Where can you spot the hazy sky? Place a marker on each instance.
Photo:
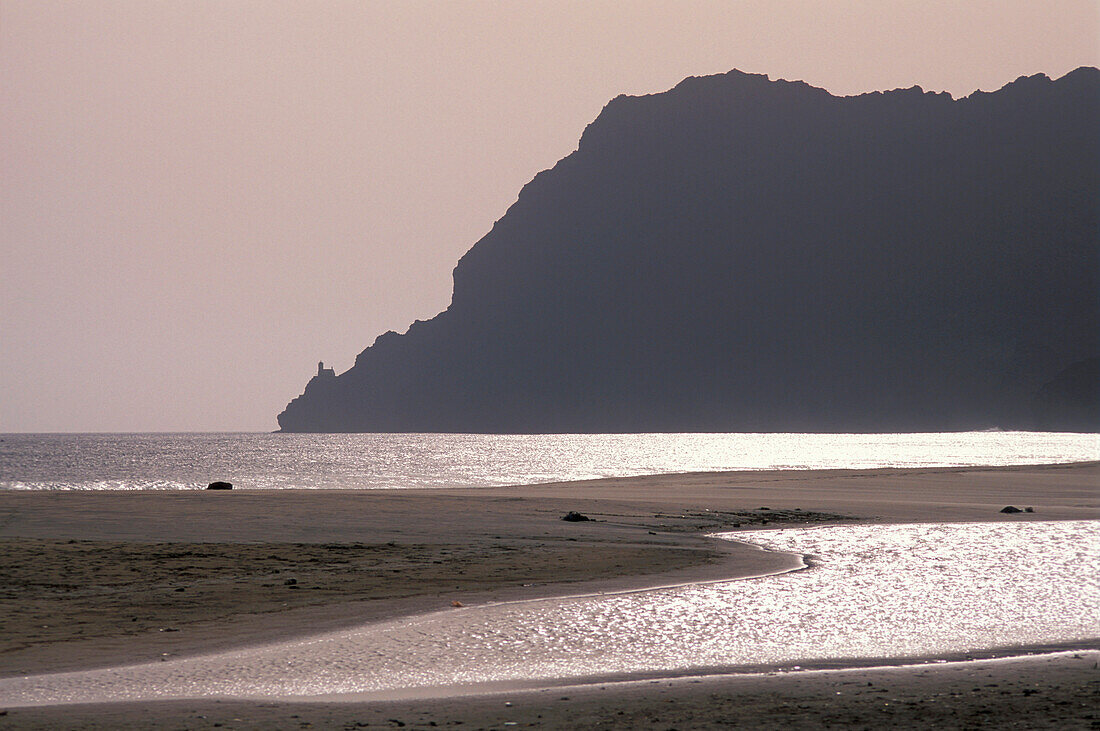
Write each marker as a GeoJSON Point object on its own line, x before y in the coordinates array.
{"type": "Point", "coordinates": [200, 200]}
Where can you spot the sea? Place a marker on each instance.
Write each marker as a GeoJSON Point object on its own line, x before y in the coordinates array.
{"type": "Point", "coordinates": [190, 461]}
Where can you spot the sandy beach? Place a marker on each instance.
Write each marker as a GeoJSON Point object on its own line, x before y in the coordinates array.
{"type": "Point", "coordinates": [96, 579]}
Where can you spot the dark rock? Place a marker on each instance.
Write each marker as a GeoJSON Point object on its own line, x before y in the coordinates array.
{"type": "Point", "coordinates": [220, 486]}
{"type": "Point", "coordinates": [1011, 509]}
{"type": "Point", "coordinates": [1029, 510]}
{"type": "Point", "coordinates": [290, 582]}
{"type": "Point", "coordinates": [740, 254]}
{"type": "Point", "coordinates": [574, 517]}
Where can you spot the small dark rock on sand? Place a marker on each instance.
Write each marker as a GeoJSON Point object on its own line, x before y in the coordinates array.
{"type": "Point", "coordinates": [220, 486]}
{"type": "Point", "coordinates": [574, 517]}
{"type": "Point", "coordinates": [1011, 509]}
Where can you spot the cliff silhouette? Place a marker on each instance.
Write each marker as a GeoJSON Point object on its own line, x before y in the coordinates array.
{"type": "Point", "coordinates": [740, 254]}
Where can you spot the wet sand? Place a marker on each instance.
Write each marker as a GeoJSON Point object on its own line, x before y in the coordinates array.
{"type": "Point", "coordinates": [1048, 692]}
{"type": "Point", "coordinates": [93, 579]}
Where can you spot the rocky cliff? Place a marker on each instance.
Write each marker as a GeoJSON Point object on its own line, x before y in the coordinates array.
{"type": "Point", "coordinates": [740, 254]}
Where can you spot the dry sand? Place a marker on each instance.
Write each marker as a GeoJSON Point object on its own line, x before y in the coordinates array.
{"type": "Point", "coordinates": [92, 579]}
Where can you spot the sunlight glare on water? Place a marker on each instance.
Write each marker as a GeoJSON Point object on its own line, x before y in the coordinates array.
{"type": "Point", "coordinates": [341, 461]}
{"type": "Point", "coordinates": [872, 592]}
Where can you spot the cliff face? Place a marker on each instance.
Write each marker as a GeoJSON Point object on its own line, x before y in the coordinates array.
{"type": "Point", "coordinates": [738, 254]}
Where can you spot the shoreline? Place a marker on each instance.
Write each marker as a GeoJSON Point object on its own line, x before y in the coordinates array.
{"type": "Point", "coordinates": [1056, 690]}
{"type": "Point", "coordinates": [655, 523]}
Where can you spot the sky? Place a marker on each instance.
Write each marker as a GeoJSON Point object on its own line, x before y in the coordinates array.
{"type": "Point", "coordinates": [199, 200]}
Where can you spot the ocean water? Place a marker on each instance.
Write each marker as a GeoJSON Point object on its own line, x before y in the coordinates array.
{"type": "Point", "coordinates": [340, 461]}
{"type": "Point", "coordinates": [870, 592]}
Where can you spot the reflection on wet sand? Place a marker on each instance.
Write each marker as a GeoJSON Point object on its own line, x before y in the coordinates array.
{"type": "Point", "coordinates": [871, 591]}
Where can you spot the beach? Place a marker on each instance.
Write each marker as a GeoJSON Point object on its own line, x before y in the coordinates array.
{"type": "Point", "coordinates": [95, 579]}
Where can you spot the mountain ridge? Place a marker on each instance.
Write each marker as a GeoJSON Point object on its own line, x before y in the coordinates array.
{"type": "Point", "coordinates": [741, 254]}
